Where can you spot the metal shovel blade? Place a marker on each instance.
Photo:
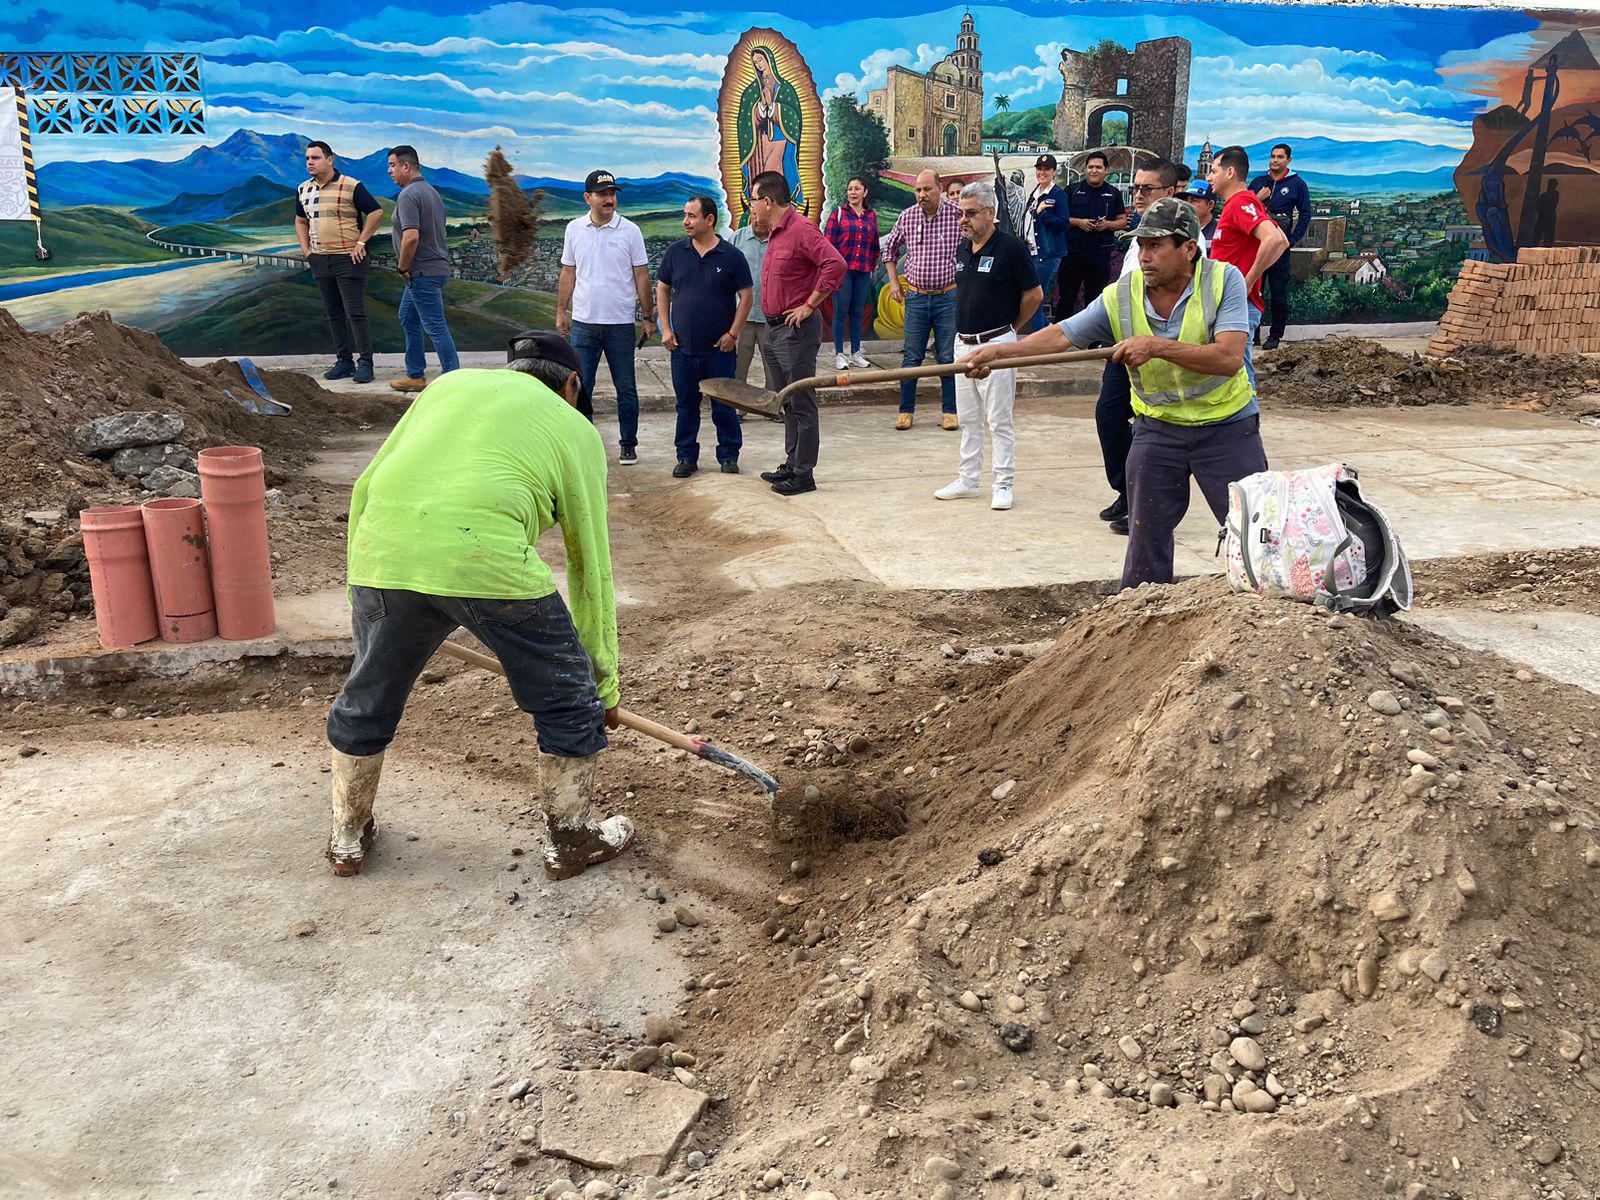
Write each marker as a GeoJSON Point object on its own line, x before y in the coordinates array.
{"type": "Point", "coordinates": [746, 397]}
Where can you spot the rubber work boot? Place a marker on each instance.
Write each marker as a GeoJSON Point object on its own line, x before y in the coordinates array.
{"type": "Point", "coordinates": [355, 783]}
{"type": "Point", "coordinates": [574, 842]}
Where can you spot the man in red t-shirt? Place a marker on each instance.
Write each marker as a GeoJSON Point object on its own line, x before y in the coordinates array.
{"type": "Point", "coordinates": [1247, 236]}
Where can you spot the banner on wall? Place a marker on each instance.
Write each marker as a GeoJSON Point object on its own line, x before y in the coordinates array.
{"type": "Point", "coordinates": [770, 119]}
{"type": "Point", "coordinates": [19, 192]}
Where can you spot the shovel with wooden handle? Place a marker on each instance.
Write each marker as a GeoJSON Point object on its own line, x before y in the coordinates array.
{"type": "Point", "coordinates": [679, 741]}
{"type": "Point", "coordinates": [746, 397]}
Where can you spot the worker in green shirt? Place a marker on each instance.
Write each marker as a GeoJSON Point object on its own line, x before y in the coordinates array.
{"type": "Point", "coordinates": [443, 528]}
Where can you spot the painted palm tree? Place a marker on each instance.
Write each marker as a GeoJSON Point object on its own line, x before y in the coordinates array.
{"type": "Point", "coordinates": [1002, 103]}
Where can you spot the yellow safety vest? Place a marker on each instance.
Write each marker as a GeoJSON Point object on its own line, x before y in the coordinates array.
{"type": "Point", "coordinates": [1164, 390]}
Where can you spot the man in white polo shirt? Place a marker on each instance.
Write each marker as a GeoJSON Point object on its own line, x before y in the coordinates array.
{"type": "Point", "coordinates": [605, 273]}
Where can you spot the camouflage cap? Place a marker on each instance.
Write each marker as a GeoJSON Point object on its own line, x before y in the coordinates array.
{"type": "Point", "coordinates": [1167, 217]}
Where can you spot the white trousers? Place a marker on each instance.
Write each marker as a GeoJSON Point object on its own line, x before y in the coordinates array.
{"type": "Point", "coordinates": [986, 404]}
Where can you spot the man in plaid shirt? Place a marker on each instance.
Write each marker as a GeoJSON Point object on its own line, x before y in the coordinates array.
{"type": "Point", "coordinates": [928, 232]}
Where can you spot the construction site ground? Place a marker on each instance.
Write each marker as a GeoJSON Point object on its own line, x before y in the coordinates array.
{"type": "Point", "coordinates": [1044, 860]}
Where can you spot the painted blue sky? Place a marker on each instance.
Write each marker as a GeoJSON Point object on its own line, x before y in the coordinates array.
{"type": "Point", "coordinates": [567, 88]}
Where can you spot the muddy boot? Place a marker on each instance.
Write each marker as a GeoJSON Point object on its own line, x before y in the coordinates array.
{"type": "Point", "coordinates": [574, 842]}
{"type": "Point", "coordinates": [355, 783]}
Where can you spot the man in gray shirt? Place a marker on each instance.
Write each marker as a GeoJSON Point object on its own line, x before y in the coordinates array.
{"type": "Point", "coordinates": [752, 243]}
{"type": "Point", "coordinates": [424, 263]}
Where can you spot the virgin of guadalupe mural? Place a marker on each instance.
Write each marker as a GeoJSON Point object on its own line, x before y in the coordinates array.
{"type": "Point", "coordinates": [771, 120]}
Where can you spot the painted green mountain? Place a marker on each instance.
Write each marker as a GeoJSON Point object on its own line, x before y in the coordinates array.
{"type": "Point", "coordinates": [89, 236]}
{"type": "Point", "coordinates": [286, 317]}
{"type": "Point", "coordinates": [1022, 125]}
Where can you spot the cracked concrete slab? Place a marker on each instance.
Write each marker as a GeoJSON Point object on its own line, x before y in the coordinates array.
{"type": "Point", "coordinates": [616, 1120]}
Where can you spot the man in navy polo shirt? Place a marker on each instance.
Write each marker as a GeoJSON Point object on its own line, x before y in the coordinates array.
{"type": "Point", "coordinates": [703, 296]}
{"type": "Point", "coordinates": [1096, 214]}
{"type": "Point", "coordinates": [1288, 202]}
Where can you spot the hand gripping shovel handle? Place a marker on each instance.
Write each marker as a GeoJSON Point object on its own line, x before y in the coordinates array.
{"type": "Point", "coordinates": [679, 741]}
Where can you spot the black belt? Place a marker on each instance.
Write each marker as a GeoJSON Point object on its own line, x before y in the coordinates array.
{"type": "Point", "coordinates": [978, 339]}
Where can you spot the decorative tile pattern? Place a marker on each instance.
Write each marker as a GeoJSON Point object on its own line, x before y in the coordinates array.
{"type": "Point", "coordinates": [108, 93]}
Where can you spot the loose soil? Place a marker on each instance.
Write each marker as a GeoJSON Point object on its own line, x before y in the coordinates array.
{"type": "Point", "coordinates": [1355, 372]}
{"type": "Point", "coordinates": [1168, 893]}
{"type": "Point", "coordinates": [1136, 829]}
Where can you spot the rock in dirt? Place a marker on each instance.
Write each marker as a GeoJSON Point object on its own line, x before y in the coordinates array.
{"type": "Point", "coordinates": [1545, 1150]}
{"type": "Point", "coordinates": [170, 481]}
{"type": "Point", "coordinates": [939, 1167]}
{"type": "Point", "coordinates": [1016, 1037]}
{"type": "Point", "coordinates": [17, 626]}
{"type": "Point", "coordinates": [1130, 1047]}
{"type": "Point", "coordinates": [141, 460]}
{"type": "Point", "coordinates": [1384, 701]}
{"type": "Point", "coordinates": [1387, 906]}
{"type": "Point", "coordinates": [121, 430]}
{"type": "Point", "coordinates": [970, 1001]}
{"type": "Point", "coordinates": [1247, 1052]}
{"type": "Point", "coordinates": [662, 1027]}
{"type": "Point", "coordinates": [616, 1120]}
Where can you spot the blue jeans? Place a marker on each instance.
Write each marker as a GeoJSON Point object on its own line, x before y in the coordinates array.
{"type": "Point", "coordinates": [1249, 342]}
{"type": "Point", "coordinates": [1047, 268]}
{"type": "Point", "coordinates": [422, 311]}
{"type": "Point", "coordinates": [616, 342]}
{"type": "Point", "coordinates": [923, 313]}
{"type": "Point", "coordinates": [687, 372]}
{"type": "Point", "coordinates": [849, 303]}
{"type": "Point", "coordinates": [397, 632]}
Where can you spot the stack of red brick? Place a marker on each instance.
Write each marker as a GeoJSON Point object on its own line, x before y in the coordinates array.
{"type": "Point", "coordinates": [1546, 302]}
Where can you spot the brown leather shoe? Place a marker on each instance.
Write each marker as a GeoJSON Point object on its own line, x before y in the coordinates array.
{"type": "Point", "coordinates": [407, 384]}
{"type": "Point", "coordinates": [948, 421]}
{"type": "Point", "coordinates": [903, 421]}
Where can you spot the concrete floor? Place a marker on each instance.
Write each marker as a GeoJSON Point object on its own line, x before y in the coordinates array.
{"type": "Point", "coordinates": [169, 1034]}
{"type": "Point", "coordinates": [1454, 481]}
{"type": "Point", "coordinates": [1562, 645]}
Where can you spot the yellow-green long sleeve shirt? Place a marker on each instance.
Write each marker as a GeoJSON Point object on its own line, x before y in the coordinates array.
{"type": "Point", "coordinates": [455, 500]}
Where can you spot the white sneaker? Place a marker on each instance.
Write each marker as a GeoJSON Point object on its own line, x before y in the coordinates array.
{"type": "Point", "coordinates": [957, 491]}
{"type": "Point", "coordinates": [858, 359]}
{"type": "Point", "coordinates": [1001, 500]}
{"type": "Point", "coordinates": [841, 362]}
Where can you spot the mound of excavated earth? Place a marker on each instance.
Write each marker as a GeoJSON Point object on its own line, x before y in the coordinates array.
{"type": "Point", "coordinates": [1215, 896]}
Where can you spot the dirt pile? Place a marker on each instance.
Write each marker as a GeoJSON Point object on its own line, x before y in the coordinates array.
{"type": "Point", "coordinates": [1215, 893]}
{"type": "Point", "coordinates": [92, 367]}
{"type": "Point", "coordinates": [1341, 372]}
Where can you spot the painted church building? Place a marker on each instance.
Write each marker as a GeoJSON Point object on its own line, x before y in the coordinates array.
{"type": "Point", "coordinates": [940, 113]}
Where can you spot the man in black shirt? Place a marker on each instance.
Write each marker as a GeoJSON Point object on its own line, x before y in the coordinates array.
{"type": "Point", "coordinates": [997, 293]}
{"type": "Point", "coordinates": [1096, 212]}
{"type": "Point", "coordinates": [703, 296]}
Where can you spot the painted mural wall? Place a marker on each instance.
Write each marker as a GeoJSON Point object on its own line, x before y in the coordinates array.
{"type": "Point", "coordinates": [158, 144]}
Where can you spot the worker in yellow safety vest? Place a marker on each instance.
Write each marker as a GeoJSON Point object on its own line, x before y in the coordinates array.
{"type": "Point", "coordinates": [1179, 324]}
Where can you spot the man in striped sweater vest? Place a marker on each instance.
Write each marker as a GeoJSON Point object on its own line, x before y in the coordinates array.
{"type": "Point", "coordinates": [335, 217]}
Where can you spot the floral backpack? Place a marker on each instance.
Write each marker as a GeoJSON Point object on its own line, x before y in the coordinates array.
{"type": "Point", "coordinates": [1310, 535]}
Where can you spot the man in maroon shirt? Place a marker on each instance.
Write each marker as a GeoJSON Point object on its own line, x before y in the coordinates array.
{"type": "Point", "coordinates": [800, 271]}
{"type": "Point", "coordinates": [1247, 235]}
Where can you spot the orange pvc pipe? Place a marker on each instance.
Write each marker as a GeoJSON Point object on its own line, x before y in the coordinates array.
{"type": "Point", "coordinates": [234, 488]}
{"type": "Point", "coordinates": [175, 534]}
{"type": "Point", "coordinates": [119, 574]}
